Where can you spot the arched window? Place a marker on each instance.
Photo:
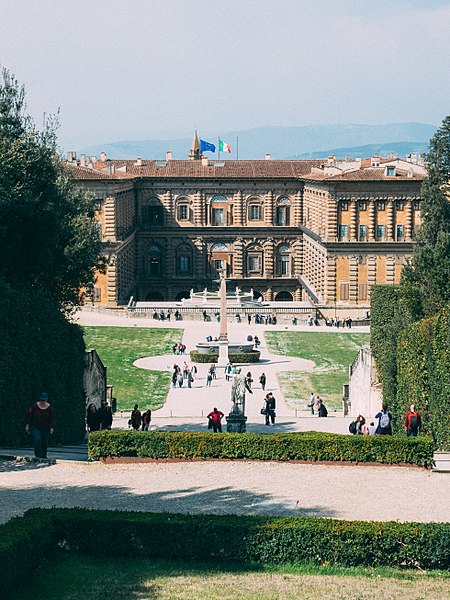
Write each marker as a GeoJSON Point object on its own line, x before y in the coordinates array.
{"type": "Point", "coordinates": [284, 297]}
{"type": "Point", "coordinates": [219, 198]}
{"type": "Point", "coordinates": [152, 212]}
{"type": "Point", "coordinates": [184, 261]}
{"type": "Point", "coordinates": [184, 212]}
{"type": "Point", "coordinates": [154, 261]}
{"type": "Point", "coordinates": [283, 261]}
{"type": "Point", "coordinates": [283, 211]}
{"type": "Point", "coordinates": [254, 261]}
{"type": "Point", "coordinates": [219, 247]}
{"type": "Point", "coordinates": [255, 210]}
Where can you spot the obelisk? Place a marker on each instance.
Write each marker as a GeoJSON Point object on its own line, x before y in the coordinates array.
{"type": "Point", "coordinates": [223, 334]}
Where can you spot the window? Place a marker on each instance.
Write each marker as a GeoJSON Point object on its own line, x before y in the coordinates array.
{"type": "Point", "coordinates": [183, 212]}
{"type": "Point", "coordinates": [362, 233]}
{"type": "Point", "coordinates": [254, 213]}
{"type": "Point", "coordinates": [381, 232]}
{"type": "Point", "coordinates": [399, 233]}
{"type": "Point", "coordinates": [282, 215]}
{"type": "Point", "coordinates": [97, 204]}
{"type": "Point", "coordinates": [219, 266]}
{"type": "Point", "coordinates": [219, 247]}
{"type": "Point", "coordinates": [343, 231]}
{"type": "Point", "coordinates": [218, 216]}
{"type": "Point", "coordinates": [254, 263]}
{"type": "Point", "coordinates": [184, 264]}
{"type": "Point", "coordinates": [151, 215]}
{"type": "Point", "coordinates": [343, 291]}
{"type": "Point", "coordinates": [154, 261]}
{"type": "Point", "coordinates": [362, 260]}
{"type": "Point", "coordinates": [362, 205]}
{"type": "Point", "coordinates": [219, 198]}
{"type": "Point", "coordinates": [381, 205]}
{"type": "Point", "coordinates": [390, 171]}
{"type": "Point", "coordinates": [343, 205]}
{"type": "Point", "coordinates": [362, 291]}
{"type": "Point", "coordinates": [283, 261]}
{"type": "Point", "coordinates": [399, 205]}
{"type": "Point", "coordinates": [97, 294]}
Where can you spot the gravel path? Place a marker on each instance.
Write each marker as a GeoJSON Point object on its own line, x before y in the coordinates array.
{"type": "Point", "coordinates": [342, 492]}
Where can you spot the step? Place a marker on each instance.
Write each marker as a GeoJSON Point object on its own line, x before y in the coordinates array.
{"type": "Point", "coordinates": [441, 462]}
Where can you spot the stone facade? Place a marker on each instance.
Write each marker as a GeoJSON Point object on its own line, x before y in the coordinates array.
{"type": "Point", "coordinates": [289, 230]}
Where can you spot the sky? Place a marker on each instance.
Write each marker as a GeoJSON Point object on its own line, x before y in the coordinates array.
{"type": "Point", "coordinates": [149, 69]}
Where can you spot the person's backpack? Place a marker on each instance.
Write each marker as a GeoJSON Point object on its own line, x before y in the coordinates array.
{"type": "Point", "coordinates": [352, 427]}
{"type": "Point", "coordinates": [413, 422]}
{"type": "Point", "coordinates": [384, 420]}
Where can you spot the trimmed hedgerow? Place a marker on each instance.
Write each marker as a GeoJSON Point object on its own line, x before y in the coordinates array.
{"type": "Point", "coordinates": [423, 373]}
{"type": "Point", "coordinates": [27, 540]}
{"type": "Point", "coordinates": [242, 357]}
{"type": "Point", "coordinates": [310, 446]}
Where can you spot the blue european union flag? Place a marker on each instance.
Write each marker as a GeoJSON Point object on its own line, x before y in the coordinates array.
{"type": "Point", "coordinates": [207, 146]}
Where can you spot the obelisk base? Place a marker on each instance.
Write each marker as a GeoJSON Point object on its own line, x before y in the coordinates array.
{"type": "Point", "coordinates": [223, 354]}
{"type": "Point", "coordinates": [236, 423]}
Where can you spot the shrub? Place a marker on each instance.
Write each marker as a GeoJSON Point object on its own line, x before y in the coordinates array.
{"type": "Point", "coordinates": [26, 540]}
{"type": "Point", "coordinates": [310, 446]}
{"type": "Point", "coordinates": [242, 357]}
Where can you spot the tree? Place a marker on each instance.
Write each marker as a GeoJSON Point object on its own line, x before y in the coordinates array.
{"type": "Point", "coordinates": [48, 234]}
{"type": "Point", "coordinates": [426, 282]}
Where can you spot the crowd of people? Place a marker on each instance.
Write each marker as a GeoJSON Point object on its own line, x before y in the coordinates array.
{"type": "Point", "coordinates": [316, 403]}
{"type": "Point", "coordinates": [382, 423]}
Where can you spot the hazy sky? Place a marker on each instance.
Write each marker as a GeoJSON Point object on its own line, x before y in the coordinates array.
{"type": "Point", "coordinates": [136, 69]}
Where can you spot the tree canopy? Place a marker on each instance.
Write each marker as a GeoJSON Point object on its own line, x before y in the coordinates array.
{"type": "Point", "coordinates": [48, 236]}
{"type": "Point", "coordinates": [426, 282]}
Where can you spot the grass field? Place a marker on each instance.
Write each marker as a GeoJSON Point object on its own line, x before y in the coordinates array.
{"type": "Point", "coordinates": [332, 353]}
{"type": "Point", "coordinates": [119, 347]}
{"type": "Point", "coordinates": [100, 578]}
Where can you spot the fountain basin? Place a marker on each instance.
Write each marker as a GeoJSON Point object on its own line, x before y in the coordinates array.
{"type": "Point", "coordinates": [233, 347]}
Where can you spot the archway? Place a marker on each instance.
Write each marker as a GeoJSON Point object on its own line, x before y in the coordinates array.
{"type": "Point", "coordinates": [154, 297]}
{"type": "Point", "coordinates": [182, 295]}
{"type": "Point", "coordinates": [284, 297]}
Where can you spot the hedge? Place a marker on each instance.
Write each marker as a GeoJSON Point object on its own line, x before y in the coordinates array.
{"type": "Point", "coordinates": [423, 373]}
{"type": "Point", "coordinates": [242, 357]}
{"type": "Point", "coordinates": [40, 351]}
{"type": "Point", "coordinates": [310, 446]}
{"type": "Point", "coordinates": [218, 539]}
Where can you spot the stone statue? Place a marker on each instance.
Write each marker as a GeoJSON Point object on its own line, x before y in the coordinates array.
{"type": "Point", "coordinates": [238, 389]}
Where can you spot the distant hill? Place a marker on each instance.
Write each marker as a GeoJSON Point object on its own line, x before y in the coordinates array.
{"type": "Point", "coordinates": [280, 142]}
{"type": "Point", "coordinates": [399, 148]}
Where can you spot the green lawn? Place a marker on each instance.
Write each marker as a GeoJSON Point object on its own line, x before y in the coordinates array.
{"type": "Point", "coordinates": [75, 577]}
{"type": "Point", "coordinates": [332, 353]}
{"type": "Point", "coordinates": [119, 347]}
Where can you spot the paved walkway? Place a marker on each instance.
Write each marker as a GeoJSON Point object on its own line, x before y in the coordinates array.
{"type": "Point", "coordinates": [187, 408]}
{"type": "Point", "coordinates": [341, 492]}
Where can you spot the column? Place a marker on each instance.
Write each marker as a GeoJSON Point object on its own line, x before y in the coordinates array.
{"type": "Point", "coordinates": [296, 258]}
{"type": "Point", "coordinates": [408, 221]}
{"type": "Point", "coordinates": [297, 209]}
{"type": "Point", "coordinates": [390, 220]}
{"type": "Point", "coordinates": [269, 295]}
{"type": "Point", "coordinates": [332, 218]}
{"type": "Point", "coordinates": [353, 279]}
{"type": "Point", "coordinates": [330, 280]}
{"type": "Point", "coordinates": [390, 270]}
{"type": "Point", "coordinates": [371, 273]}
{"type": "Point", "coordinates": [111, 279]}
{"type": "Point", "coordinates": [238, 202]}
{"type": "Point", "coordinates": [169, 209]}
{"type": "Point", "coordinates": [268, 208]}
{"type": "Point", "coordinates": [298, 294]}
{"type": "Point", "coordinates": [109, 234]}
{"type": "Point", "coordinates": [238, 258]}
{"type": "Point", "coordinates": [197, 209]}
{"type": "Point", "coordinates": [269, 267]}
{"type": "Point", "coordinates": [371, 228]}
{"type": "Point", "coordinates": [353, 221]}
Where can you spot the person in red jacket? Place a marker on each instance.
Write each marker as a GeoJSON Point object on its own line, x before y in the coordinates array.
{"type": "Point", "coordinates": [413, 421]}
{"type": "Point", "coordinates": [40, 424]}
{"type": "Point", "coordinates": [216, 417]}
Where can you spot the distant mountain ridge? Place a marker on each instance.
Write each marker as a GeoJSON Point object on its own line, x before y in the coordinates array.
{"type": "Point", "coordinates": [280, 142]}
{"type": "Point", "coordinates": [400, 149]}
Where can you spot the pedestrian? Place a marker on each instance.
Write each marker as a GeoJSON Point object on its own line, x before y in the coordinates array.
{"type": "Point", "coordinates": [194, 370]}
{"type": "Point", "coordinates": [270, 405]}
{"type": "Point", "coordinates": [384, 421]}
{"type": "Point", "coordinates": [323, 412]}
{"type": "Point", "coordinates": [215, 417]}
{"type": "Point", "coordinates": [174, 379]}
{"type": "Point", "coordinates": [248, 380]}
{"type": "Point", "coordinates": [146, 420]}
{"type": "Point", "coordinates": [105, 415]}
{"type": "Point", "coordinates": [238, 318]}
{"type": "Point", "coordinates": [205, 315]}
{"type": "Point", "coordinates": [311, 403]}
{"type": "Point", "coordinates": [92, 418]}
{"type": "Point", "coordinates": [294, 320]}
{"type": "Point", "coordinates": [372, 428]}
{"type": "Point", "coordinates": [274, 320]}
{"type": "Point", "coordinates": [180, 380]}
{"type": "Point", "coordinates": [185, 370]}
{"type": "Point", "coordinates": [168, 315]}
{"type": "Point", "coordinates": [177, 315]}
{"type": "Point", "coordinates": [174, 348]}
{"type": "Point", "coordinates": [212, 370]}
{"type": "Point", "coordinates": [136, 418]}
{"type": "Point", "coordinates": [190, 378]}
{"type": "Point", "coordinates": [413, 422]}
{"type": "Point", "coordinates": [262, 381]}
{"type": "Point", "coordinates": [208, 379]}
{"type": "Point", "coordinates": [360, 422]}
{"type": "Point", "coordinates": [40, 424]}
{"type": "Point", "coordinates": [318, 404]}
{"type": "Point", "coordinates": [257, 341]}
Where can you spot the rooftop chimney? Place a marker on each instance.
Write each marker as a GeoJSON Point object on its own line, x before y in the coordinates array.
{"type": "Point", "coordinates": [82, 160]}
{"type": "Point", "coordinates": [204, 161]}
{"type": "Point", "coordinates": [267, 156]}
{"type": "Point", "coordinates": [138, 162]}
{"type": "Point", "coordinates": [103, 156]}
{"type": "Point", "coordinates": [71, 156]}
{"type": "Point", "coordinates": [169, 155]}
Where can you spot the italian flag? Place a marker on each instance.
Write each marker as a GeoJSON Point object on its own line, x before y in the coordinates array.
{"type": "Point", "coordinates": [224, 147]}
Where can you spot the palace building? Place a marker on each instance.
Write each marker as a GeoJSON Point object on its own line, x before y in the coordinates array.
{"type": "Point", "coordinates": [322, 231]}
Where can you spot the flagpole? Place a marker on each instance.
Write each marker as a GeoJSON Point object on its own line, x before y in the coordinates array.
{"type": "Point", "coordinates": [218, 146]}
{"type": "Point", "coordinates": [237, 148]}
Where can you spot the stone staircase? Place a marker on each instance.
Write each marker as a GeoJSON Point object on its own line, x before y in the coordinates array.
{"type": "Point", "coordinates": [442, 462]}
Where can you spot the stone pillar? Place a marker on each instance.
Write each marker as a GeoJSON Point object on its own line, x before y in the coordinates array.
{"type": "Point", "coordinates": [330, 280]}
{"type": "Point", "coordinates": [371, 273]}
{"type": "Point", "coordinates": [198, 210]}
{"type": "Point", "coordinates": [269, 295]}
{"type": "Point", "coordinates": [112, 280]}
{"type": "Point", "coordinates": [238, 258]}
{"type": "Point", "coordinates": [298, 294]}
{"type": "Point", "coordinates": [408, 221]}
{"type": "Point", "coordinates": [297, 209]}
{"type": "Point", "coordinates": [390, 270]}
{"type": "Point", "coordinates": [371, 228]}
{"type": "Point", "coordinates": [269, 266]}
{"type": "Point", "coordinates": [109, 235]}
{"type": "Point", "coordinates": [390, 220]}
{"type": "Point", "coordinates": [268, 208]}
{"type": "Point", "coordinates": [353, 279]}
{"type": "Point", "coordinates": [353, 221]}
{"type": "Point", "coordinates": [238, 202]}
{"type": "Point", "coordinates": [296, 259]}
{"type": "Point", "coordinates": [200, 261]}
{"type": "Point", "coordinates": [332, 220]}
